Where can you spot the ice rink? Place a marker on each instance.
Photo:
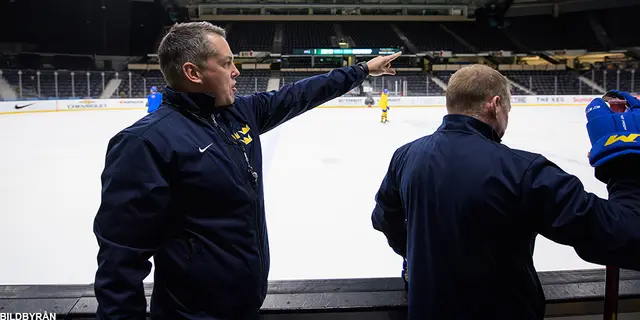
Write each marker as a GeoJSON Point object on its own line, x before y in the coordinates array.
{"type": "Point", "coordinates": [322, 171]}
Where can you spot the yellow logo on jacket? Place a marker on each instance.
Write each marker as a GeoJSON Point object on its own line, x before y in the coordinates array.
{"type": "Point", "coordinates": [628, 138]}
{"type": "Point", "coordinates": [243, 135]}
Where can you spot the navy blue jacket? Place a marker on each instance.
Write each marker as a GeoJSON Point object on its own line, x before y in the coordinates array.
{"type": "Point", "coordinates": [465, 209]}
{"type": "Point", "coordinates": [184, 185]}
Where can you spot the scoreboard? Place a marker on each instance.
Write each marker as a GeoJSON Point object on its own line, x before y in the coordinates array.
{"type": "Point", "coordinates": [345, 52]}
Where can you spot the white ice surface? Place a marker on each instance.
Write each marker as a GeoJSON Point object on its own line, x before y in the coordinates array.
{"type": "Point", "coordinates": [321, 170]}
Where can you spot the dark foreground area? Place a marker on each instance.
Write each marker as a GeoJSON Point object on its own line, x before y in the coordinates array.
{"type": "Point", "coordinates": [574, 293]}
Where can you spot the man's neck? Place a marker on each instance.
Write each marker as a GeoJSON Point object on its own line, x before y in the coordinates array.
{"type": "Point", "coordinates": [478, 116]}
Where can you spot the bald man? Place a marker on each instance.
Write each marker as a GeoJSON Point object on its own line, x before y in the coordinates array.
{"type": "Point", "coordinates": [464, 209]}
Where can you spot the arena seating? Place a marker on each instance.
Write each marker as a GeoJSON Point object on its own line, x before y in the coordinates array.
{"type": "Point", "coordinates": [574, 30]}
{"type": "Point", "coordinates": [256, 36]}
{"type": "Point", "coordinates": [443, 75]}
{"type": "Point", "coordinates": [541, 82]}
{"type": "Point", "coordinates": [418, 84]}
{"type": "Point", "coordinates": [430, 37]}
{"type": "Point", "coordinates": [548, 82]}
{"type": "Point", "coordinates": [570, 31]}
{"type": "Point", "coordinates": [481, 36]}
{"type": "Point", "coordinates": [68, 86]}
{"type": "Point", "coordinates": [371, 34]}
{"type": "Point", "coordinates": [539, 32]}
{"type": "Point", "coordinates": [307, 35]}
{"type": "Point", "coordinates": [251, 81]}
{"type": "Point", "coordinates": [615, 79]}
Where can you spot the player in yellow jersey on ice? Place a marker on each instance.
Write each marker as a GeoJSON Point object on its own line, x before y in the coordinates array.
{"type": "Point", "coordinates": [384, 105]}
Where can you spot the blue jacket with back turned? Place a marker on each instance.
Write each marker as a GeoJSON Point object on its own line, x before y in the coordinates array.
{"type": "Point", "coordinates": [184, 185]}
{"type": "Point", "coordinates": [464, 210]}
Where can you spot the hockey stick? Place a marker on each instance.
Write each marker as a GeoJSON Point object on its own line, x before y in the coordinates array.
{"type": "Point", "coordinates": [612, 283]}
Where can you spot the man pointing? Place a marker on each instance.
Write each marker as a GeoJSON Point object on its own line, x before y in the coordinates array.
{"type": "Point", "coordinates": [184, 185]}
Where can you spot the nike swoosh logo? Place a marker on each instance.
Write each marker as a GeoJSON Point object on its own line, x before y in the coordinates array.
{"type": "Point", "coordinates": [205, 148]}
{"type": "Point", "coordinates": [26, 105]}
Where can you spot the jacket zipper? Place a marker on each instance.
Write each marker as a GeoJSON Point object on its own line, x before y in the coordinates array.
{"type": "Point", "coordinates": [253, 183]}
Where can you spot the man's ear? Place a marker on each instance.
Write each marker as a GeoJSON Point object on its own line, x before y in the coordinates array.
{"type": "Point", "coordinates": [492, 106]}
{"type": "Point", "coordinates": [496, 100]}
{"type": "Point", "coordinates": [191, 72]}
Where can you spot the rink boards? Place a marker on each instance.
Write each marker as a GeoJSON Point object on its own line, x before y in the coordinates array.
{"type": "Point", "coordinates": [31, 106]}
{"type": "Point", "coordinates": [49, 251]}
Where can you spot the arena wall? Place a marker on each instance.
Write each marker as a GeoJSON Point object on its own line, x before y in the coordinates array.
{"type": "Point", "coordinates": [35, 106]}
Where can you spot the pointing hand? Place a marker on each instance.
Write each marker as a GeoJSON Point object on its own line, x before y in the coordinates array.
{"type": "Point", "coordinates": [382, 65]}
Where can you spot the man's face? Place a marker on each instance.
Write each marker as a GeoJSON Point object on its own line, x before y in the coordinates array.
{"type": "Point", "coordinates": [219, 77]}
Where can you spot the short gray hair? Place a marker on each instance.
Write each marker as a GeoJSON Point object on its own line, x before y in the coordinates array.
{"type": "Point", "coordinates": [186, 42]}
{"type": "Point", "coordinates": [470, 86]}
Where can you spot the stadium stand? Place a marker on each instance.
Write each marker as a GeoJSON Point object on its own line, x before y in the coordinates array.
{"type": "Point", "coordinates": [418, 83]}
{"type": "Point", "coordinates": [548, 82]}
{"type": "Point", "coordinates": [371, 34]}
{"type": "Point", "coordinates": [35, 76]}
{"type": "Point", "coordinates": [431, 37]}
{"type": "Point", "coordinates": [480, 36]}
{"type": "Point", "coordinates": [306, 35]}
{"type": "Point", "coordinates": [619, 79]}
{"type": "Point", "coordinates": [570, 31]}
{"type": "Point", "coordinates": [69, 84]}
{"type": "Point", "coordinates": [250, 36]}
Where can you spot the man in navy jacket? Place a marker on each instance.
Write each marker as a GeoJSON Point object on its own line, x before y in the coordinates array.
{"type": "Point", "coordinates": [464, 210]}
{"type": "Point", "coordinates": [184, 185]}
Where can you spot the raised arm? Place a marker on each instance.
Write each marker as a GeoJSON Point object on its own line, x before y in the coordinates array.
{"type": "Point", "coordinates": [275, 107]}
{"type": "Point", "coordinates": [128, 225]}
{"type": "Point", "coordinates": [602, 231]}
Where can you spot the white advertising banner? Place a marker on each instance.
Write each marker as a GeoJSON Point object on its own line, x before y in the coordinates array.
{"type": "Point", "coordinates": [559, 100]}
{"type": "Point", "coordinates": [85, 104]}
{"type": "Point", "coordinates": [82, 104]}
{"type": "Point", "coordinates": [28, 106]}
{"type": "Point", "coordinates": [403, 102]}
{"type": "Point", "coordinates": [439, 101]}
{"type": "Point", "coordinates": [129, 104]}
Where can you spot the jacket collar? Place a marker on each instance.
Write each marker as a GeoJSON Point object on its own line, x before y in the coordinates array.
{"type": "Point", "coordinates": [201, 104]}
{"type": "Point", "coordinates": [460, 122]}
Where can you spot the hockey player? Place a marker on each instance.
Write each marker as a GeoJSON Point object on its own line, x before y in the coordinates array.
{"type": "Point", "coordinates": [154, 99]}
{"type": "Point", "coordinates": [384, 105]}
{"type": "Point", "coordinates": [473, 206]}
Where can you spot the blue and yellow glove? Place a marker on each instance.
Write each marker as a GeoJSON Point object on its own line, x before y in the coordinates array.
{"type": "Point", "coordinates": [612, 134]}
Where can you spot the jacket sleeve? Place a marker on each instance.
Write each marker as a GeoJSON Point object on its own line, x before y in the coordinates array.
{"type": "Point", "coordinates": [388, 216]}
{"type": "Point", "coordinates": [605, 232]}
{"type": "Point", "coordinates": [276, 107]}
{"type": "Point", "coordinates": [128, 225]}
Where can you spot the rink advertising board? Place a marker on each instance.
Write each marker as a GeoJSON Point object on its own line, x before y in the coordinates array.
{"type": "Point", "coordinates": [28, 106]}
{"type": "Point", "coordinates": [82, 104]}
{"type": "Point", "coordinates": [439, 101]}
{"type": "Point", "coordinates": [118, 104]}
